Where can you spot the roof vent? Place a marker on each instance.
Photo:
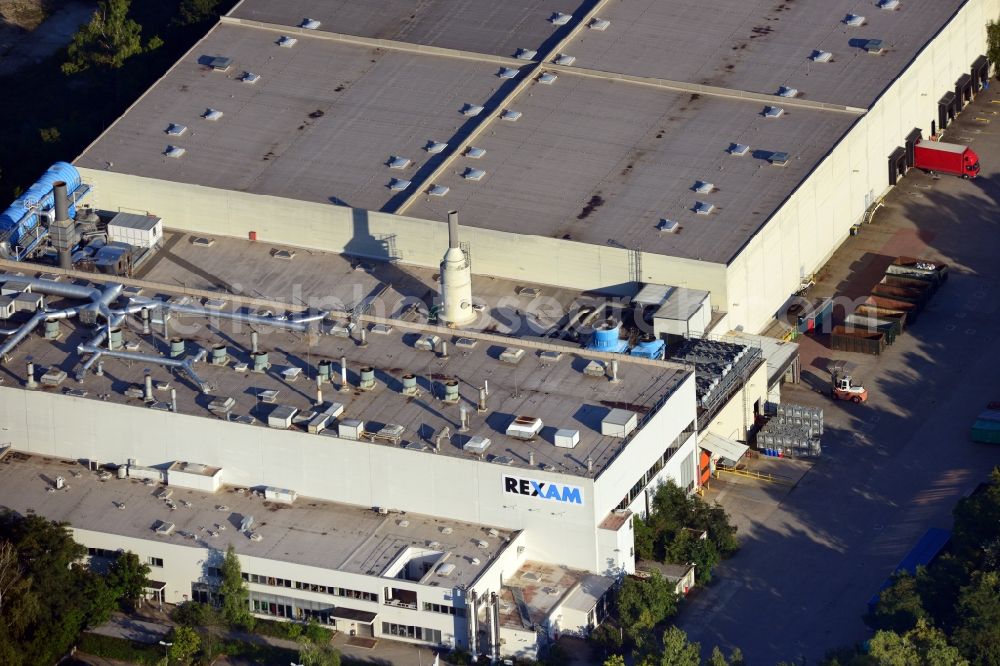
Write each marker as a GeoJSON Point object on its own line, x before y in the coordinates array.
{"type": "Point", "coordinates": [473, 174]}
{"type": "Point", "coordinates": [560, 19]}
{"type": "Point", "coordinates": [438, 190]}
{"type": "Point", "coordinates": [873, 46]}
{"type": "Point", "coordinates": [703, 208]}
{"type": "Point", "coordinates": [471, 110]}
{"type": "Point", "coordinates": [531, 576]}
{"type": "Point", "coordinates": [738, 149]}
{"type": "Point", "coordinates": [212, 114]}
{"type": "Point", "coordinates": [703, 187]}
{"type": "Point", "coordinates": [446, 569]}
{"type": "Point", "coordinates": [507, 73]}
{"type": "Point", "coordinates": [785, 91]}
{"type": "Point", "coordinates": [466, 343]}
{"type": "Point", "coordinates": [381, 329]}
{"type": "Point", "coordinates": [220, 63]}
{"type": "Point", "coordinates": [397, 162]}
{"type": "Point", "coordinates": [778, 159]}
{"type": "Point", "coordinates": [525, 54]}
{"type": "Point", "coordinates": [563, 59]}
{"type": "Point", "coordinates": [594, 369]}
{"type": "Point", "coordinates": [854, 19]}
{"type": "Point", "coordinates": [512, 355]}
{"type": "Point", "coordinates": [173, 129]}
{"type": "Point", "coordinates": [287, 42]}
{"type": "Point", "coordinates": [164, 529]}
{"type": "Point", "coordinates": [510, 115]}
{"type": "Point", "coordinates": [668, 226]}
{"type": "Point", "coordinates": [500, 460]}
{"type": "Point", "coordinates": [548, 78]}
{"type": "Point", "coordinates": [477, 444]}
{"type": "Point", "coordinates": [821, 56]}
{"type": "Point", "coordinates": [174, 151]}
{"type": "Point", "coordinates": [888, 4]}
{"type": "Point", "coordinates": [250, 77]}
{"type": "Point", "coordinates": [550, 355]}
{"type": "Point", "coordinates": [773, 111]}
{"type": "Point", "coordinates": [427, 343]}
{"type": "Point", "coordinates": [398, 184]}
{"type": "Point", "coordinates": [435, 147]}
{"type": "Point", "coordinates": [475, 153]}
{"type": "Point", "coordinates": [310, 24]}
{"type": "Point", "coordinates": [598, 24]}
{"type": "Point", "coordinates": [529, 292]}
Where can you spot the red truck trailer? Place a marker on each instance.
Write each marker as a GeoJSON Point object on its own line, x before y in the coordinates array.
{"type": "Point", "coordinates": [949, 158]}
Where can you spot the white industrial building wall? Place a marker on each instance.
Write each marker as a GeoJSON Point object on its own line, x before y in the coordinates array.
{"type": "Point", "coordinates": [356, 473]}
{"type": "Point", "coordinates": [539, 259]}
{"type": "Point", "coordinates": [615, 481]}
{"type": "Point", "coordinates": [817, 218]}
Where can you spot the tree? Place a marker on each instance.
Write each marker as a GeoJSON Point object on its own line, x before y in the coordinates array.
{"type": "Point", "coordinates": [128, 577]}
{"type": "Point", "coordinates": [234, 592]}
{"type": "Point", "coordinates": [677, 650]}
{"type": "Point", "coordinates": [899, 606]}
{"type": "Point", "coordinates": [185, 644]}
{"type": "Point", "coordinates": [993, 42]}
{"type": "Point", "coordinates": [311, 654]}
{"type": "Point", "coordinates": [978, 632]}
{"type": "Point", "coordinates": [108, 40]}
{"type": "Point", "coordinates": [191, 12]}
{"type": "Point", "coordinates": [923, 645]}
{"type": "Point", "coordinates": [719, 659]}
{"type": "Point", "coordinates": [687, 547]}
{"type": "Point", "coordinates": [615, 660]}
{"type": "Point", "coordinates": [643, 604]}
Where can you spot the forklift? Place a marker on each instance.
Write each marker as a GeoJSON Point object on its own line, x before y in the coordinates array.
{"type": "Point", "coordinates": [843, 386]}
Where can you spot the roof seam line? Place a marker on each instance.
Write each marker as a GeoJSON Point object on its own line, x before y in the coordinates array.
{"type": "Point", "coordinates": [715, 91]}
{"type": "Point", "coordinates": [374, 42]}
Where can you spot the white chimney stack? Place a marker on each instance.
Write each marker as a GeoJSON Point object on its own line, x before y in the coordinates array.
{"type": "Point", "coordinates": [456, 280]}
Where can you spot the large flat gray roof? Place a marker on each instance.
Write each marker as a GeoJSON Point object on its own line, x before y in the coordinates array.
{"type": "Point", "coordinates": [309, 532]}
{"type": "Point", "coordinates": [601, 155]}
{"type": "Point", "coordinates": [759, 45]}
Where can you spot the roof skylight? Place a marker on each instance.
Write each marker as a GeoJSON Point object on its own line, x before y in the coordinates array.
{"type": "Point", "coordinates": [598, 24]}
{"type": "Point", "coordinates": [212, 114]}
{"type": "Point", "coordinates": [174, 151]}
{"type": "Point", "coordinates": [563, 59]}
{"type": "Point", "coordinates": [525, 54]}
{"type": "Point", "coordinates": [560, 19]}
{"type": "Point", "coordinates": [287, 42]}
{"type": "Point", "coordinates": [785, 91]}
{"type": "Point", "coordinates": [738, 149]}
{"type": "Point", "coordinates": [310, 24]}
{"type": "Point", "coordinates": [475, 153]}
{"type": "Point", "coordinates": [472, 110]}
{"type": "Point", "coordinates": [510, 115]}
{"type": "Point", "coordinates": [397, 162]}
{"type": "Point", "coordinates": [773, 111]}
{"type": "Point", "coordinates": [438, 190]}
{"type": "Point", "coordinates": [547, 78]}
{"type": "Point", "coordinates": [473, 174]}
{"type": "Point", "coordinates": [176, 130]}
{"type": "Point", "coordinates": [398, 184]}
{"type": "Point", "coordinates": [434, 147]}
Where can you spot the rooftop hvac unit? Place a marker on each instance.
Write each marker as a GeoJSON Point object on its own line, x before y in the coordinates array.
{"type": "Point", "coordinates": [317, 423]}
{"type": "Point", "coordinates": [512, 355]}
{"type": "Point", "coordinates": [524, 427]}
{"type": "Point", "coordinates": [566, 438]}
{"type": "Point", "coordinates": [280, 495]}
{"type": "Point", "coordinates": [619, 423]}
{"type": "Point", "coordinates": [351, 429]}
{"type": "Point", "coordinates": [281, 417]}
{"type": "Point", "coordinates": [427, 343]}
{"type": "Point", "coordinates": [477, 444]}
{"type": "Point", "coordinates": [221, 405]}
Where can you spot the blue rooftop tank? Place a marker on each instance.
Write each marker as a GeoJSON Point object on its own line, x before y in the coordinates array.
{"type": "Point", "coordinates": [605, 337]}
{"type": "Point", "coordinates": [17, 219]}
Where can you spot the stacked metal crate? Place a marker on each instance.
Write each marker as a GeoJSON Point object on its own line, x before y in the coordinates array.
{"type": "Point", "coordinates": [794, 432]}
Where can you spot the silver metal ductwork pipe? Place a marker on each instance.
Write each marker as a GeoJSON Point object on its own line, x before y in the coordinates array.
{"type": "Point", "coordinates": [288, 324]}
{"type": "Point", "coordinates": [185, 366]}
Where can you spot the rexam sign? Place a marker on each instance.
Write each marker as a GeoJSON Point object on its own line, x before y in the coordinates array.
{"type": "Point", "coordinates": [544, 490]}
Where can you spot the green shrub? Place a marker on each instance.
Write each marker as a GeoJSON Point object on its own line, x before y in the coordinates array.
{"type": "Point", "coordinates": [120, 649]}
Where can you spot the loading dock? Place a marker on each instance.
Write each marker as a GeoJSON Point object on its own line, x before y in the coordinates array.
{"type": "Point", "coordinates": [897, 164]}
{"type": "Point", "coordinates": [915, 135]}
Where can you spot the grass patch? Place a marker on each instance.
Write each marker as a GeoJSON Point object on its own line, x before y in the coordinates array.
{"type": "Point", "coordinates": [120, 649]}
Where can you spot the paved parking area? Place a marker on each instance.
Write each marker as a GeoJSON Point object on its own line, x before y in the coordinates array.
{"type": "Point", "coordinates": [893, 467]}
